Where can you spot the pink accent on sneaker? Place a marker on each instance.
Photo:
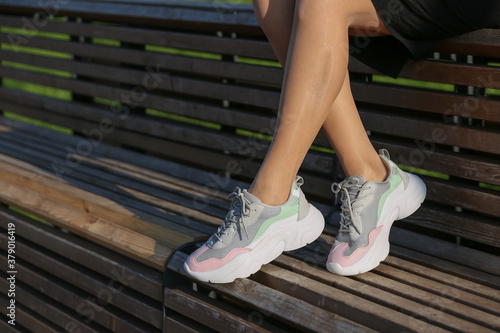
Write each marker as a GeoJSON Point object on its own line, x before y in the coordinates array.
{"type": "Point", "coordinates": [212, 263]}
{"type": "Point", "coordinates": [337, 254]}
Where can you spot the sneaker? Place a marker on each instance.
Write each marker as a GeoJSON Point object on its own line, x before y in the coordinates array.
{"type": "Point", "coordinates": [254, 234]}
{"type": "Point", "coordinates": [368, 211]}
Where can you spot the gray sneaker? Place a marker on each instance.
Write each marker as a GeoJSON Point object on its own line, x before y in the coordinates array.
{"type": "Point", "coordinates": [254, 234]}
{"type": "Point", "coordinates": [368, 211]}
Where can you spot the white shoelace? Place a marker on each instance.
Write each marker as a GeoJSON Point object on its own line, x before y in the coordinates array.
{"type": "Point", "coordinates": [236, 213]}
{"type": "Point", "coordinates": [346, 189]}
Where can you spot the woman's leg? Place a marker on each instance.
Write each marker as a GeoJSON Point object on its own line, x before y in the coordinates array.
{"type": "Point", "coordinates": [310, 39]}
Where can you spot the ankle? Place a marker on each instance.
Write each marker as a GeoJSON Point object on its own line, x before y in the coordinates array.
{"type": "Point", "coordinates": [371, 170]}
{"type": "Point", "coordinates": [273, 196]}
{"type": "Point", "coordinates": [376, 172]}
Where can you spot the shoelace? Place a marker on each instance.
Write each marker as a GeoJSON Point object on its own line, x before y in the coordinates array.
{"type": "Point", "coordinates": [346, 188]}
{"type": "Point", "coordinates": [239, 209]}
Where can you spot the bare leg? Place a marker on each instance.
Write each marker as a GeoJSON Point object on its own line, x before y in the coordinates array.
{"type": "Point", "coordinates": [311, 39]}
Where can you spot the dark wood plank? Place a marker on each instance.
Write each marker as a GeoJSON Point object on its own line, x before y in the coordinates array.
{"type": "Point", "coordinates": [202, 311]}
{"type": "Point", "coordinates": [435, 132]}
{"type": "Point", "coordinates": [443, 72]}
{"type": "Point", "coordinates": [101, 292]}
{"type": "Point", "coordinates": [180, 324]}
{"type": "Point", "coordinates": [155, 127]}
{"type": "Point", "coordinates": [451, 291]}
{"type": "Point", "coordinates": [433, 157]}
{"type": "Point", "coordinates": [49, 309]}
{"type": "Point", "coordinates": [181, 40]}
{"type": "Point", "coordinates": [443, 265]}
{"type": "Point", "coordinates": [173, 14]}
{"type": "Point", "coordinates": [290, 310]}
{"type": "Point", "coordinates": [297, 278]}
{"type": "Point", "coordinates": [424, 250]}
{"type": "Point", "coordinates": [452, 280]}
{"type": "Point", "coordinates": [169, 83]}
{"type": "Point", "coordinates": [468, 197]}
{"type": "Point", "coordinates": [167, 62]}
{"type": "Point", "coordinates": [27, 321]}
{"type": "Point", "coordinates": [448, 104]}
{"type": "Point", "coordinates": [435, 295]}
{"type": "Point", "coordinates": [454, 253]}
{"type": "Point", "coordinates": [483, 43]}
{"type": "Point", "coordinates": [4, 325]}
{"type": "Point", "coordinates": [477, 228]}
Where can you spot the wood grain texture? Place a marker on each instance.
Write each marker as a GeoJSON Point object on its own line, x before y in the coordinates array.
{"type": "Point", "coordinates": [93, 257]}
{"type": "Point", "coordinates": [143, 248]}
{"type": "Point", "coordinates": [292, 311]}
{"type": "Point", "coordinates": [98, 305]}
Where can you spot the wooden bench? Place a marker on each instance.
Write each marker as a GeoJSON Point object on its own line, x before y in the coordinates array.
{"type": "Point", "coordinates": [164, 108]}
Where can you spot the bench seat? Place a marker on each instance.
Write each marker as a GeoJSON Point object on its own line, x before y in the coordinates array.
{"type": "Point", "coordinates": [59, 271]}
{"type": "Point", "coordinates": [166, 106]}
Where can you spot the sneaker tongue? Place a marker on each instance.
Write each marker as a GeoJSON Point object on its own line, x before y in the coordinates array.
{"type": "Point", "coordinates": [359, 178]}
{"type": "Point", "coordinates": [250, 197]}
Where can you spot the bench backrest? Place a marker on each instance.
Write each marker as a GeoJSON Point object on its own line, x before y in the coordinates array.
{"type": "Point", "coordinates": [198, 83]}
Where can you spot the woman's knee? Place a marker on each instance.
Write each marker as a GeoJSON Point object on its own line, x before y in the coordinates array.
{"type": "Point", "coordinates": [348, 12]}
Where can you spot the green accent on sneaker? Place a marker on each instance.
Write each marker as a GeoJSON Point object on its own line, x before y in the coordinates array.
{"type": "Point", "coordinates": [394, 181]}
{"type": "Point", "coordinates": [286, 211]}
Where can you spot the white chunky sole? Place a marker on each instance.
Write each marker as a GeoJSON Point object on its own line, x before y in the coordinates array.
{"type": "Point", "coordinates": [399, 204]}
{"type": "Point", "coordinates": [285, 235]}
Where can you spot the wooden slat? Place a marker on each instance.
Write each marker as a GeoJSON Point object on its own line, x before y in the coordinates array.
{"type": "Point", "coordinates": [170, 83]}
{"type": "Point", "coordinates": [93, 307]}
{"type": "Point", "coordinates": [96, 205]}
{"type": "Point", "coordinates": [461, 255]}
{"type": "Point", "coordinates": [125, 162]}
{"type": "Point", "coordinates": [443, 265]}
{"type": "Point", "coordinates": [156, 128]}
{"type": "Point", "coordinates": [484, 198]}
{"type": "Point", "coordinates": [438, 255]}
{"type": "Point", "coordinates": [181, 40]}
{"type": "Point", "coordinates": [444, 103]}
{"type": "Point", "coordinates": [196, 110]}
{"type": "Point", "coordinates": [484, 311]}
{"type": "Point", "coordinates": [135, 245]}
{"type": "Point", "coordinates": [202, 311]}
{"type": "Point", "coordinates": [93, 257]}
{"type": "Point", "coordinates": [293, 311]}
{"type": "Point", "coordinates": [471, 318]}
{"type": "Point", "coordinates": [392, 96]}
{"type": "Point", "coordinates": [462, 195]}
{"type": "Point", "coordinates": [176, 14]}
{"type": "Point", "coordinates": [477, 228]}
{"type": "Point", "coordinates": [479, 194]}
{"type": "Point", "coordinates": [292, 281]}
{"type": "Point", "coordinates": [451, 294]}
{"type": "Point", "coordinates": [179, 324]}
{"type": "Point", "coordinates": [49, 309]}
{"type": "Point", "coordinates": [27, 321]}
{"type": "Point", "coordinates": [443, 72]}
{"type": "Point", "coordinates": [163, 208]}
{"type": "Point", "coordinates": [432, 157]}
{"type": "Point", "coordinates": [452, 280]}
{"type": "Point", "coordinates": [483, 43]}
{"type": "Point", "coordinates": [411, 127]}
{"type": "Point", "coordinates": [65, 193]}
{"type": "Point", "coordinates": [167, 62]}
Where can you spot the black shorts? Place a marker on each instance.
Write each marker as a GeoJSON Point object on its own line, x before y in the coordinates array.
{"type": "Point", "coordinates": [415, 25]}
